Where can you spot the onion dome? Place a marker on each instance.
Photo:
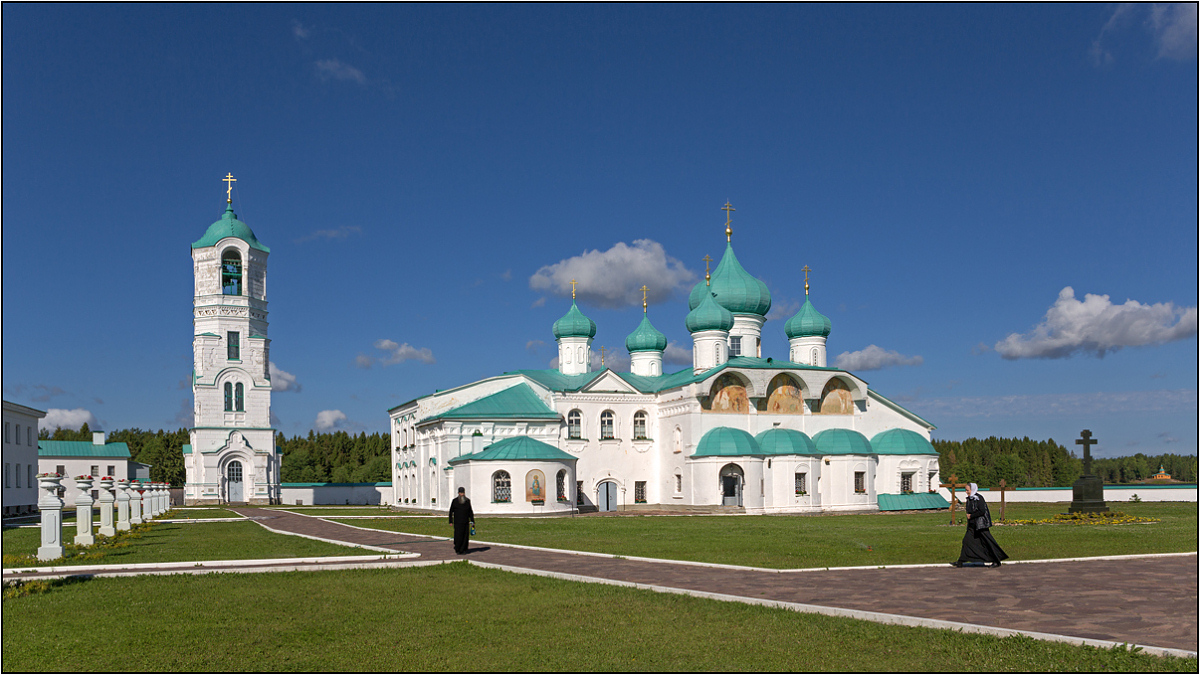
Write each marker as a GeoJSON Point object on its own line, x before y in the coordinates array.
{"type": "Point", "coordinates": [646, 338]}
{"type": "Point", "coordinates": [785, 442]}
{"type": "Point", "coordinates": [901, 442]}
{"type": "Point", "coordinates": [842, 442]}
{"type": "Point", "coordinates": [726, 442]}
{"type": "Point", "coordinates": [574, 324]}
{"type": "Point", "coordinates": [708, 315]}
{"type": "Point", "coordinates": [735, 289]}
{"type": "Point", "coordinates": [808, 322]}
{"type": "Point", "coordinates": [229, 226]}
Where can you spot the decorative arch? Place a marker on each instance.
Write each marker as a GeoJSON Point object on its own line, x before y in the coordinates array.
{"type": "Point", "coordinates": [729, 394]}
{"type": "Point", "coordinates": [608, 425]}
{"type": "Point", "coordinates": [639, 425]}
{"type": "Point", "coordinates": [575, 424]}
{"type": "Point", "coordinates": [501, 487]}
{"type": "Point", "coordinates": [785, 395]}
{"type": "Point", "coordinates": [231, 272]}
{"type": "Point", "coordinates": [836, 398]}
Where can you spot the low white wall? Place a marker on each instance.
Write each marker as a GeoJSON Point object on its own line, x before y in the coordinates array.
{"type": "Point", "coordinates": [1115, 493]}
{"type": "Point", "coordinates": [308, 494]}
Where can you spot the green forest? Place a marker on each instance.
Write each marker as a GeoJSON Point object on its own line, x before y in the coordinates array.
{"type": "Point", "coordinates": [340, 457]}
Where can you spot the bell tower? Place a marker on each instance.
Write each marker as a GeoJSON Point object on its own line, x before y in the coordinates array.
{"type": "Point", "coordinates": [232, 456]}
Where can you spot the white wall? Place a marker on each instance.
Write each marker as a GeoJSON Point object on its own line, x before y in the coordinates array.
{"type": "Point", "coordinates": [336, 493]}
{"type": "Point", "coordinates": [1147, 493]}
{"type": "Point", "coordinates": [18, 457]}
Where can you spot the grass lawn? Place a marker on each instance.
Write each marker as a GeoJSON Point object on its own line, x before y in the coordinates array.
{"type": "Point", "coordinates": [828, 540]}
{"type": "Point", "coordinates": [175, 542]}
{"type": "Point", "coordinates": [458, 617]}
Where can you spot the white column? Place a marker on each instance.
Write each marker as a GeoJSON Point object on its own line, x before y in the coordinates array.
{"type": "Point", "coordinates": [83, 512]}
{"type": "Point", "coordinates": [123, 504]}
{"type": "Point", "coordinates": [135, 504]}
{"type": "Point", "coordinates": [106, 507]}
{"type": "Point", "coordinates": [710, 349]}
{"type": "Point", "coordinates": [50, 506]}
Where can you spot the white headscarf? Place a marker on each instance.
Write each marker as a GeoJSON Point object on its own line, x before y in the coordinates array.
{"type": "Point", "coordinates": [972, 491]}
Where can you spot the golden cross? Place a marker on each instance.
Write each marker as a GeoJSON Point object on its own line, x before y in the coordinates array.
{"type": "Point", "coordinates": [573, 282]}
{"type": "Point", "coordinates": [806, 271]}
{"type": "Point", "coordinates": [229, 181]}
{"type": "Point", "coordinates": [728, 230]}
{"type": "Point", "coordinates": [706, 260]}
{"type": "Point", "coordinates": [643, 289]}
{"type": "Point", "coordinates": [601, 356]}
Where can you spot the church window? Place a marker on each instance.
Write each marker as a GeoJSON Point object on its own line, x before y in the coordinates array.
{"type": "Point", "coordinates": [239, 399]}
{"type": "Point", "coordinates": [501, 487]}
{"type": "Point", "coordinates": [29, 436]}
{"type": "Point", "coordinates": [606, 426]}
{"type": "Point", "coordinates": [735, 345]}
{"type": "Point", "coordinates": [639, 425]}
{"type": "Point", "coordinates": [860, 481]}
{"type": "Point", "coordinates": [654, 368]}
{"type": "Point", "coordinates": [579, 354]}
{"type": "Point", "coordinates": [906, 483]}
{"type": "Point", "coordinates": [678, 483]}
{"type": "Point", "coordinates": [560, 485]}
{"type": "Point", "coordinates": [579, 492]}
{"type": "Point", "coordinates": [931, 480]}
{"type": "Point", "coordinates": [18, 434]}
{"type": "Point", "coordinates": [575, 424]}
{"type": "Point", "coordinates": [231, 273]}
{"type": "Point", "coordinates": [228, 397]}
{"type": "Point", "coordinates": [95, 471]}
{"type": "Point", "coordinates": [639, 492]}
{"type": "Point", "coordinates": [678, 439]}
{"type": "Point", "coordinates": [233, 351]}
{"type": "Point", "coordinates": [801, 483]}
{"type": "Point", "coordinates": [814, 356]}
{"type": "Point", "coordinates": [112, 471]}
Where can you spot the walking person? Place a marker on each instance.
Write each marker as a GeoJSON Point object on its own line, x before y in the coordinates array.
{"type": "Point", "coordinates": [978, 546]}
{"type": "Point", "coordinates": [463, 519]}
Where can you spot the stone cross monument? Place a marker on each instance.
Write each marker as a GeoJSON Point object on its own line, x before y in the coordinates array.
{"type": "Point", "coordinates": [1087, 492]}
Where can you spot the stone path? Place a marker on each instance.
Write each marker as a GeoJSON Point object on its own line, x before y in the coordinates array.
{"type": "Point", "coordinates": [1150, 601]}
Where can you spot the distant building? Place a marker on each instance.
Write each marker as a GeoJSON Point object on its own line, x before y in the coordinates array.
{"type": "Point", "coordinates": [20, 458]}
{"type": "Point", "coordinates": [1161, 475]}
{"type": "Point", "coordinates": [96, 458]}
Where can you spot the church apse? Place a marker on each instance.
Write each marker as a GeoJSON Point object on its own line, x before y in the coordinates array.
{"type": "Point", "coordinates": [784, 396]}
{"type": "Point", "coordinates": [836, 399]}
{"type": "Point", "coordinates": [728, 395]}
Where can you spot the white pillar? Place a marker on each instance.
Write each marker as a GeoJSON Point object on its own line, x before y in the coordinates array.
{"type": "Point", "coordinates": [710, 348]}
{"type": "Point", "coordinates": [106, 507]}
{"type": "Point", "coordinates": [809, 350]}
{"type": "Point", "coordinates": [574, 355]}
{"type": "Point", "coordinates": [50, 505]}
{"type": "Point", "coordinates": [83, 511]}
{"type": "Point", "coordinates": [135, 503]}
{"type": "Point", "coordinates": [123, 504]}
{"type": "Point", "coordinates": [749, 328]}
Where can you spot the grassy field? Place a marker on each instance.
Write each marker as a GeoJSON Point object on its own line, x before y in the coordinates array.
{"type": "Point", "coordinates": [827, 540]}
{"type": "Point", "coordinates": [462, 618]}
{"type": "Point", "coordinates": [175, 542]}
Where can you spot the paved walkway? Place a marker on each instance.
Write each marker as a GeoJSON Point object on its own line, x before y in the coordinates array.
{"type": "Point", "coordinates": [1149, 601]}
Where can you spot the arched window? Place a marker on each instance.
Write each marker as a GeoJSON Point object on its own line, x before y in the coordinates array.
{"type": "Point", "coordinates": [574, 424]}
{"type": "Point", "coordinates": [560, 484]}
{"type": "Point", "coordinates": [606, 425]}
{"type": "Point", "coordinates": [639, 425]}
{"type": "Point", "coordinates": [228, 397]}
{"type": "Point", "coordinates": [814, 357]}
{"type": "Point", "coordinates": [501, 487]}
{"type": "Point", "coordinates": [231, 273]}
{"type": "Point", "coordinates": [239, 399]}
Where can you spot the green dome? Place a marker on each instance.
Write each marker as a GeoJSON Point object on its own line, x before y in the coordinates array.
{"type": "Point", "coordinates": [901, 442]}
{"type": "Point", "coordinates": [646, 338]}
{"type": "Point", "coordinates": [574, 324]}
{"type": "Point", "coordinates": [808, 322]}
{"type": "Point", "coordinates": [785, 442]}
{"type": "Point", "coordinates": [735, 289]}
{"type": "Point", "coordinates": [229, 226]}
{"type": "Point", "coordinates": [727, 442]}
{"type": "Point", "coordinates": [708, 315]}
{"type": "Point", "coordinates": [842, 442]}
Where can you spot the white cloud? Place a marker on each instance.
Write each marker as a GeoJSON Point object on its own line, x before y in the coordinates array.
{"type": "Point", "coordinates": [782, 308]}
{"type": "Point", "coordinates": [612, 278]}
{"type": "Point", "coordinates": [329, 419]}
{"type": "Point", "coordinates": [282, 380]}
{"type": "Point", "coordinates": [875, 358]}
{"type": "Point", "coordinates": [540, 302]}
{"type": "Point", "coordinates": [341, 232]}
{"type": "Point", "coordinates": [1174, 28]}
{"type": "Point", "coordinates": [298, 30]}
{"type": "Point", "coordinates": [1091, 404]}
{"type": "Point", "coordinates": [185, 416]}
{"type": "Point", "coordinates": [677, 354]}
{"type": "Point", "coordinates": [335, 69]}
{"type": "Point", "coordinates": [1096, 326]}
{"type": "Point", "coordinates": [398, 353]}
{"type": "Point", "coordinates": [364, 361]}
{"type": "Point", "coordinates": [68, 419]}
{"type": "Point", "coordinates": [534, 345]}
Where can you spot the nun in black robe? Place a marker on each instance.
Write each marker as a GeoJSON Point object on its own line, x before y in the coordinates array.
{"type": "Point", "coordinates": [462, 517]}
{"type": "Point", "coordinates": [978, 546]}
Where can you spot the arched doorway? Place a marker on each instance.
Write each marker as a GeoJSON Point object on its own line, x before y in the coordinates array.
{"type": "Point", "coordinates": [606, 496]}
{"type": "Point", "coordinates": [732, 479]}
{"type": "Point", "coordinates": [233, 482]}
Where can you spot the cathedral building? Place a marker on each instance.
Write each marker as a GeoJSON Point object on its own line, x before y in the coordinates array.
{"type": "Point", "coordinates": [735, 429]}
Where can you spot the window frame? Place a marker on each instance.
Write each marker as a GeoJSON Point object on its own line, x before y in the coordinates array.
{"type": "Point", "coordinates": [228, 397]}
{"type": "Point", "coordinates": [609, 434]}
{"type": "Point", "coordinates": [560, 486]}
{"type": "Point", "coordinates": [239, 397]}
{"type": "Point", "coordinates": [860, 482]}
{"type": "Point", "coordinates": [233, 346]}
{"type": "Point", "coordinates": [497, 487]}
{"type": "Point", "coordinates": [575, 425]}
{"type": "Point", "coordinates": [801, 483]}
{"type": "Point", "coordinates": [639, 492]}
{"type": "Point", "coordinates": [237, 275]}
{"type": "Point", "coordinates": [640, 418]}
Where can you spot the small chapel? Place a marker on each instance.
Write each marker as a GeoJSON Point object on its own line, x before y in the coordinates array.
{"type": "Point", "coordinates": [735, 430]}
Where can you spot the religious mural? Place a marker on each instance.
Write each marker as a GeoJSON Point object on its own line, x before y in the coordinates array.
{"type": "Point", "coordinates": [729, 396]}
{"type": "Point", "coordinates": [836, 399]}
{"type": "Point", "coordinates": [535, 486]}
{"type": "Point", "coordinates": [784, 397]}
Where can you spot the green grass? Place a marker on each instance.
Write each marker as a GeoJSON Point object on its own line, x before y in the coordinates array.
{"type": "Point", "coordinates": [828, 540]}
{"type": "Point", "coordinates": [462, 618]}
{"type": "Point", "coordinates": [177, 542]}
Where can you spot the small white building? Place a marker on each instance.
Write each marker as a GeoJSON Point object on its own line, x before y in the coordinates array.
{"type": "Point", "coordinates": [96, 458]}
{"type": "Point", "coordinates": [20, 458]}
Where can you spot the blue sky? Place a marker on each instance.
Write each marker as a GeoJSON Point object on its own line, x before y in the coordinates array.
{"type": "Point", "coordinates": [429, 177]}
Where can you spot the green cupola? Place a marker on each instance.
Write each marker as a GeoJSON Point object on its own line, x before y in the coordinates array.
{"type": "Point", "coordinates": [574, 324]}
{"type": "Point", "coordinates": [734, 288]}
{"type": "Point", "coordinates": [709, 315]}
{"type": "Point", "coordinates": [808, 322]}
{"type": "Point", "coordinates": [646, 338]}
{"type": "Point", "coordinates": [229, 226]}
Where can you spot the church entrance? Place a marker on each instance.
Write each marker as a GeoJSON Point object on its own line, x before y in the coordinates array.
{"type": "Point", "coordinates": [606, 499]}
{"type": "Point", "coordinates": [233, 482]}
{"type": "Point", "coordinates": [731, 485]}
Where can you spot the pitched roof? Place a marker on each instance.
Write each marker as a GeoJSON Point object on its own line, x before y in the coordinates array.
{"type": "Point", "coordinates": [516, 448]}
{"type": "Point", "coordinates": [81, 449]}
{"type": "Point", "coordinates": [518, 402]}
{"type": "Point", "coordinates": [923, 500]}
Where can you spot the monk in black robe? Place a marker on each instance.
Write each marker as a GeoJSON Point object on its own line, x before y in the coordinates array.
{"type": "Point", "coordinates": [463, 519]}
{"type": "Point", "coordinates": [978, 546]}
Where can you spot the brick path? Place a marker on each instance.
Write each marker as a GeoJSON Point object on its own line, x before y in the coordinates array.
{"type": "Point", "coordinates": [1148, 601]}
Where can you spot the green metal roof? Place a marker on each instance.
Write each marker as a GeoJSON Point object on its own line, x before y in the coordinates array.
{"type": "Point", "coordinates": [807, 322]}
{"type": "Point", "coordinates": [302, 485]}
{"type": "Point", "coordinates": [518, 402]}
{"type": "Point", "coordinates": [574, 324]}
{"type": "Point", "coordinates": [726, 442]}
{"type": "Point", "coordinates": [81, 449]}
{"type": "Point", "coordinates": [646, 338]}
{"type": "Point", "coordinates": [708, 315]}
{"type": "Point", "coordinates": [911, 502]}
{"type": "Point", "coordinates": [187, 449]}
{"type": "Point", "coordinates": [229, 226]}
{"type": "Point", "coordinates": [734, 288]}
{"type": "Point", "coordinates": [842, 442]}
{"type": "Point", "coordinates": [516, 448]}
{"type": "Point", "coordinates": [901, 442]}
{"type": "Point", "coordinates": [785, 442]}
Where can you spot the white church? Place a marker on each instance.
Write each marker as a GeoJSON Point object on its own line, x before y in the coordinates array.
{"type": "Point", "coordinates": [735, 430]}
